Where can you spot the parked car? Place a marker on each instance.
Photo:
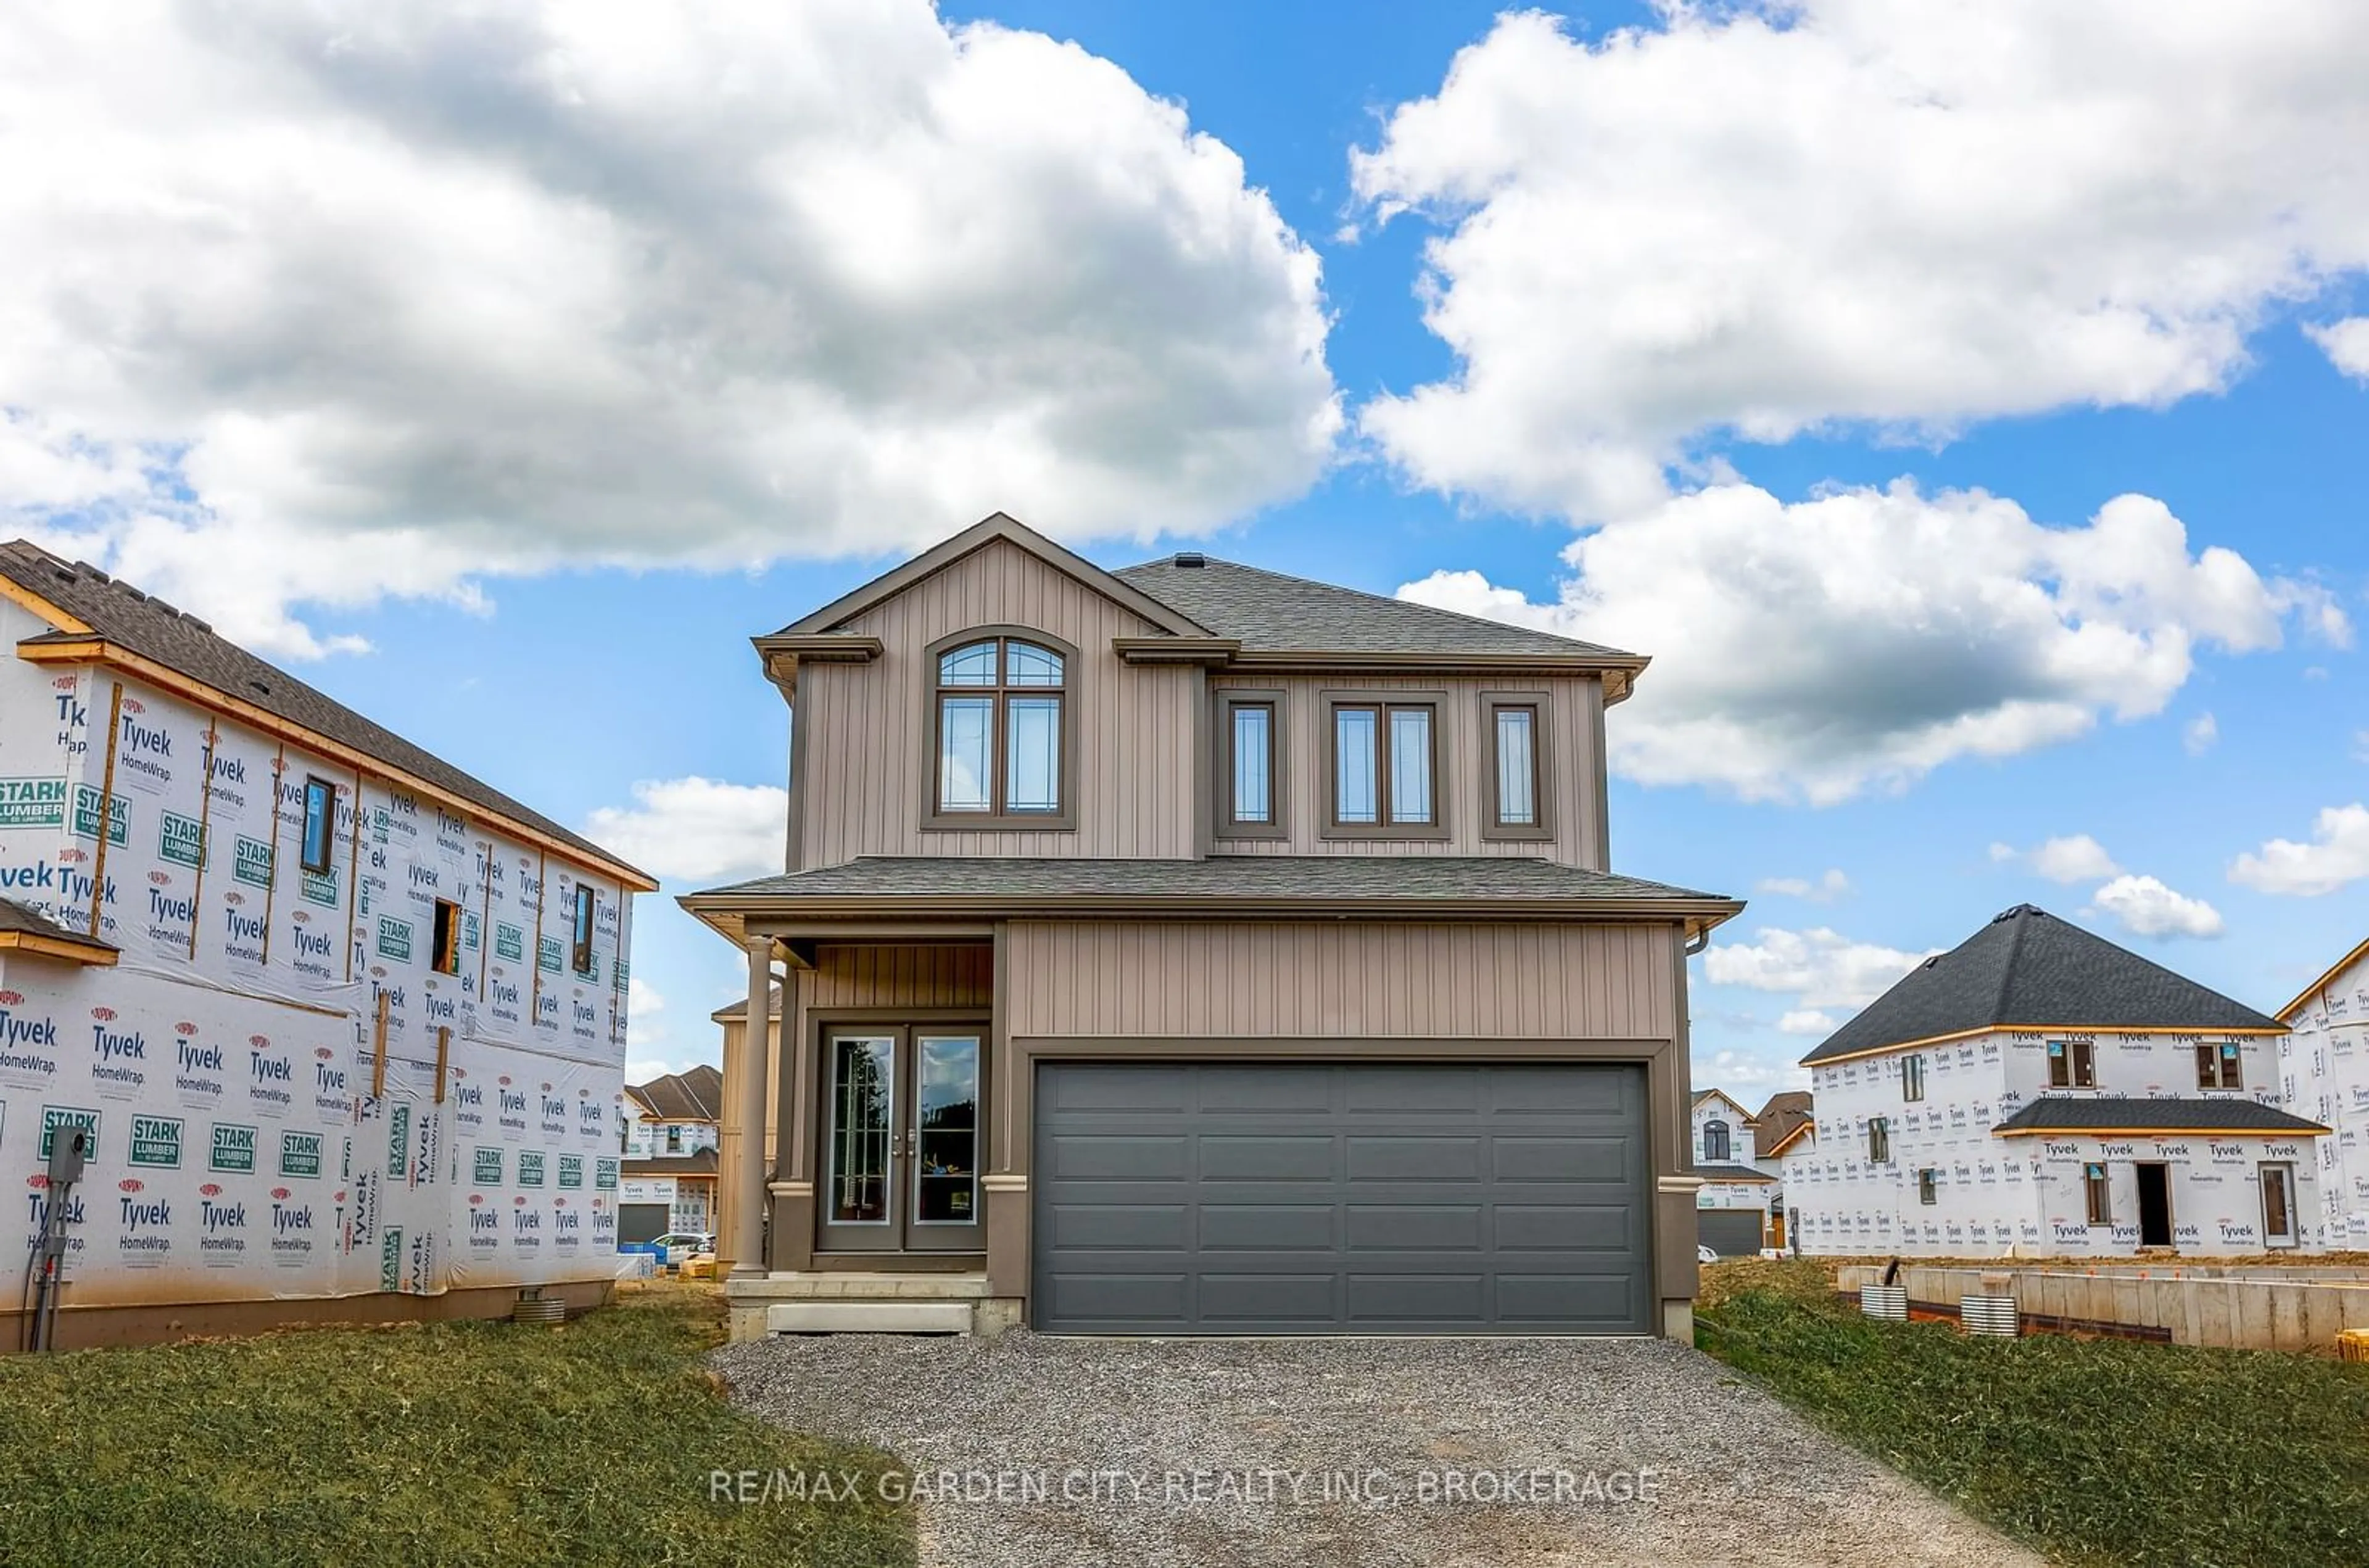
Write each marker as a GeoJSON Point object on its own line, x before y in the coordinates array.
{"type": "Point", "coordinates": [1704, 1254]}
{"type": "Point", "coordinates": [675, 1248]}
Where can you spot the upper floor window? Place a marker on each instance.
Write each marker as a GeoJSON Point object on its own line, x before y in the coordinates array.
{"type": "Point", "coordinates": [2072, 1064]}
{"type": "Point", "coordinates": [1385, 768]}
{"type": "Point", "coordinates": [1912, 1078]}
{"type": "Point", "coordinates": [1515, 753]}
{"type": "Point", "coordinates": [1001, 741]}
{"type": "Point", "coordinates": [2218, 1067]}
{"type": "Point", "coordinates": [580, 934]}
{"type": "Point", "coordinates": [1716, 1147]}
{"type": "Point", "coordinates": [320, 846]}
{"type": "Point", "coordinates": [1250, 764]}
{"type": "Point", "coordinates": [1879, 1141]}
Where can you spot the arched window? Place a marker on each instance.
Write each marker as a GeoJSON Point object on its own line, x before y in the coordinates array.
{"type": "Point", "coordinates": [1001, 737]}
{"type": "Point", "coordinates": [1715, 1145]}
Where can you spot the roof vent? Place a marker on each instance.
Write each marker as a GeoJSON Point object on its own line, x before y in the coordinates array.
{"type": "Point", "coordinates": [201, 625]}
{"type": "Point", "coordinates": [261, 687]}
{"type": "Point", "coordinates": [132, 593]}
{"type": "Point", "coordinates": [87, 570]}
{"type": "Point", "coordinates": [1191, 560]}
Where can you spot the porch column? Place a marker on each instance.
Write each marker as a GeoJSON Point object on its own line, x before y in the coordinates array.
{"type": "Point", "coordinates": [744, 1178]}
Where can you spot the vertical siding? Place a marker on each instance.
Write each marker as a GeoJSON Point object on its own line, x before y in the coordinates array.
{"type": "Point", "coordinates": [865, 728]}
{"type": "Point", "coordinates": [1332, 978]}
{"type": "Point", "coordinates": [1574, 780]}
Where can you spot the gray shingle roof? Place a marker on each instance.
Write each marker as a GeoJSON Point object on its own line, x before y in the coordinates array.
{"type": "Point", "coordinates": [2028, 969]}
{"type": "Point", "coordinates": [1413, 878]}
{"type": "Point", "coordinates": [1776, 1121]}
{"type": "Point", "coordinates": [1267, 612]}
{"type": "Point", "coordinates": [1732, 1173]}
{"type": "Point", "coordinates": [2070, 1113]}
{"type": "Point", "coordinates": [702, 1162]}
{"type": "Point", "coordinates": [15, 916]}
{"type": "Point", "coordinates": [693, 1096]}
{"type": "Point", "coordinates": [154, 630]}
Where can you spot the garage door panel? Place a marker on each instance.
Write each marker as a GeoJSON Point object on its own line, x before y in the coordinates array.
{"type": "Point", "coordinates": [1396, 1227]}
{"type": "Point", "coordinates": [1403, 1199]}
{"type": "Point", "coordinates": [1267, 1157]}
{"type": "Point", "coordinates": [1270, 1227]}
{"type": "Point", "coordinates": [1269, 1298]}
{"type": "Point", "coordinates": [1375, 1157]}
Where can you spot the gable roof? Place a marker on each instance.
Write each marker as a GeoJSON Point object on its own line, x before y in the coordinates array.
{"type": "Point", "coordinates": [2027, 970]}
{"type": "Point", "coordinates": [101, 609]}
{"type": "Point", "coordinates": [1730, 1174]}
{"type": "Point", "coordinates": [1702, 1094]}
{"type": "Point", "coordinates": [1785, 1113]}
{"type": "Point", "coordinates": [693, 1096]}
{"type": "Point", "coordinates": [1807, 1127]}
{"type": "Point", "coordinates": [979, 535]}
{"type": "Point", "coordinates": [2203, 1113]}
{"type": "Point", "coordinates": [2287, 1014]}
{"type": "Point", "coordinates": [1270, 613]}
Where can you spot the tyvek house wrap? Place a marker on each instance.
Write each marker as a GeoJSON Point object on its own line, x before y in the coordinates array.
{"type": "Point", "coordinates": [250, 1144]}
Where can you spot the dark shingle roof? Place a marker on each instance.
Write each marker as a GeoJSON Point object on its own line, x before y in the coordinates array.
{"type": "Point", "coordinates": [693, 1096]}
{"type": "Point", "coordinates": [1267, 612]}
{"type": "Point", "coordinates": [699, 1163]}
{"type": "Point", "coordinates": [737, 1010]}
{"type": "Point", "coordinates": [1775, 1121]}
{"type": "Point", "coordinates": [2069, 1113]}
{"type": "Point", "coordinates": [1413, 878]}
{"type": "Point", "coordinates": [2028, 970]}
{"type": "Point", "coordinates": [1732, 1173]}
{"type": "Point", "coordinates": [154, 630]}
{"type": "Point", "coordinates": [15, 916]}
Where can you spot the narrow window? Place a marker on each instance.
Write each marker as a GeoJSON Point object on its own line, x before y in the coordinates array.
{"type": "Point", "coordinates": [1879, 1141]}
{"type": "Point", "coordinates": [999, 729]}
{"type": "Point", "coordinates": [674, 1141]}
{"type": "Point", "coordinates": [1250, 768]}
{"type": "Point", "coordinates": [320, 845]}
{"type": "Point", "coordinates": [1912, 1078]}
{"type": "Point", "coordinates": [2072, 1064]}
{"type": "Point", "coordinates": [2278, 1205]}
{"type": "Point", "coordinates": [1715, 1142]}
{"type": "Point", "coordinates": [1516, 771]}
{"type": "Point", "coordinates": [447, 937]}
{"type": "Point", "coordinates": [581, 936]}
{"type": "Point", "coordinates": [1385, 767]}
{"type": "Point", "coordinates": [2093, 1181]}
{"type": "Point", "coordinates": [1928, 1185]}
{"type": "Point", "coordinates": [2218, 1067]}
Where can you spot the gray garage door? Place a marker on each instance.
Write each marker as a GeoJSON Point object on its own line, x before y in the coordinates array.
{"type": "Point", "coordinates": [642, 1221]}
{"type": "Point", "coordinates": [1730, 1232]}
{"type": "Point", "coordinates": [1221, 1198]}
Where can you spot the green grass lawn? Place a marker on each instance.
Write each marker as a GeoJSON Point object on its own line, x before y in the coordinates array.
{"type": "Point", "coordinates": [2094, 1452]}
{"type": "Point", "coordinates": [448, 1444]}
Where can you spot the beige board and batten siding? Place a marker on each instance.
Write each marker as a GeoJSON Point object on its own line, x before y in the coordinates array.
{"type": "Point", "coordinates": [1572, 710]}
{"type": "Point", "coordinates": [1289, 980]}
{"type": "Point", "coordinates": [865, 728]}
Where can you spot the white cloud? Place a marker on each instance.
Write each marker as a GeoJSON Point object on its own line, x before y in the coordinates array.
{"type": "Point", "coordinates": [2145, 907]}
{"type": "Point", "coordinates": [1806, 1020]}
{"type": "Point", "coordinates": [1863, 637]}
{"type": "Point", "coordinates": [1826, 890]}
{"type": "Point", "coordinates": [1772, 216]}
{"type": "Point", "coordinates": [1820, 967]}
{"type": "Point", "coordinates": [2346, 344]}
{"type": "Point", "coordinates": [697, 830]}
{"type": "Point", "coordinates": [318, 305]}
{"type": "Point", "coordinates": [2337, 856]}
{"type": "Point", "coordinates": [2075, 858]}
{"type": "Point", "coordinates": [2200, 734]}
{"type": "Point", "coordinates": [1740, 1070]}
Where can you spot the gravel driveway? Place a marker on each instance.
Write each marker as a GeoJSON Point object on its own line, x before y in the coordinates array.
{"type": "Point", "coordinates": [1312, 1452]}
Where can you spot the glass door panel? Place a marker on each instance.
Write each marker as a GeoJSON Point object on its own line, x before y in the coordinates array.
{"type": "Point", "coordinates": [945, 1129]}
{"type": "Point", "coordinates": [861, 1139]}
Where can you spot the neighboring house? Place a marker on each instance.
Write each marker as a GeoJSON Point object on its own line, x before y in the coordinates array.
{"type": "Point", "coordinates": [1193, 948]}
{"type": "Point", "coordinates": [1737, 1196]}
{"type": "Point", "coordinates": [338, 1020]}
{"type": "Point", "coordinates": [2325, 1069]}
{"type": "Point", "coordinates": [1792, 1152]}
{"type": "Point", "coordinates": [670, 1164]}
{"type": "Point", "coordinates": [2040, 1091]}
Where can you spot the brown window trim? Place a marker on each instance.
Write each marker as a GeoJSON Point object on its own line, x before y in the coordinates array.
{"type": "Point", "coordinates": [2208, 1067]}
{"type": "Point", "coordinates": [1382, 827]}
{"type": "Point", "coordinates": [1541, 769]}
{"type": "Point", "coordinates": [2098, 1191]}
{"type": "Point", "coordinates": [446, 931]}
{"type": "Point", "coordinates": [1229, 698]}
{"type": "Point", "coordinates": [2077, 1054]}
{"type": "Point", "coordinates": [328, 862]}
{"type": "Point", "coordinates": [997, 819]}
{"type": "Point", "coordinates": [583, 927]}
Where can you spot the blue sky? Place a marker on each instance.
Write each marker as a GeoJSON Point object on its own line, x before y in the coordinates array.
{"type": "Point", "coordinates": [1701, 279]}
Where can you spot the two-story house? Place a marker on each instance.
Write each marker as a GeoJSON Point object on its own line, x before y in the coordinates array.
{"type": "Point", "coordinates": [1193, 948]}
{"type": "Point", "coordinates": [338, 1029]}
{"type": "Point", "coordinates": [1738, 1193]}
{"type": "Point", "coordinates": [670, 1140]}
{"type": "Point", "coordinates": [2324, 1071]}
{"type": "Point", "coordinates": [2040, 1091]}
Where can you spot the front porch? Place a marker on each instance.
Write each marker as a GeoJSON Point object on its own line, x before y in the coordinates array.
{"type": "Point", "coordinates": [867, 1302]}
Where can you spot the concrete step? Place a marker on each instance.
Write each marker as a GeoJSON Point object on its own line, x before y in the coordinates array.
{"type": "Point", "coordinates": [845, 1315]}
